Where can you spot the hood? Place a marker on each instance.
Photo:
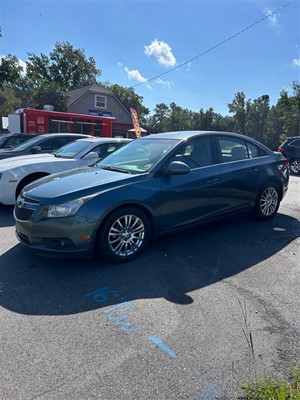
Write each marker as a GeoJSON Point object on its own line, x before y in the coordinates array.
{"type": "Point", "coordinates": [12, 162]}
{"type": "Point", "coordinates": [9, 153]}
{"type": "Point", "coordinates": [75, 183]}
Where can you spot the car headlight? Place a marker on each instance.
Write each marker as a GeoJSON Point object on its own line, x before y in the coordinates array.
{"type": "Point", "coordinates": [62, 210]}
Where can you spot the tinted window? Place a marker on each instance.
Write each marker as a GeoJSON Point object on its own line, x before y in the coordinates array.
{"type": "Point", "coordinates": [71, 149]}
{"type": "Point", "coordinates": [253, 151]}
{"type": "Point", "coordinates": [232, 149]}
{"type": "Point", "coordinates": [197, 153]}
{"type": "Point", "coordinates": [295, 143]}
{"type": "Point", "coordinates": [106, 148]}
{"type": "Point", "coordinates": [28, 144]}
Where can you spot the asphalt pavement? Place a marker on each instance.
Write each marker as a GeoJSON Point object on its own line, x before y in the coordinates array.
{"type": "Point", "coordinates": [196, 315]}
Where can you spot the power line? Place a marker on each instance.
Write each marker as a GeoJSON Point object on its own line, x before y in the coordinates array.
{"type": "Point", "coordinates": [217, 45]}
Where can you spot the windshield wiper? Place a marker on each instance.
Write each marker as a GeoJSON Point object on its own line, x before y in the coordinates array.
{"type": "Point", "coordinates": [117, 169]}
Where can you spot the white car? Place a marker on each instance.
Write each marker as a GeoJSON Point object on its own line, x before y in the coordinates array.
{"type": "Point", "coordinates": [17, 172]}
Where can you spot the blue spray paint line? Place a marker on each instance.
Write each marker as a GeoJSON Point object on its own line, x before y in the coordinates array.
{"type": "Point", "coordinates": [212, 392]}
{"type": "Point", "coordinates": [156, 340]}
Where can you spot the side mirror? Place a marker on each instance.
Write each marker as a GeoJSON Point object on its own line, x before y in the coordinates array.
{"type": "Point", "coordinates": [36, 150]}
{"type": "Point", "coordinates": [178, 168]}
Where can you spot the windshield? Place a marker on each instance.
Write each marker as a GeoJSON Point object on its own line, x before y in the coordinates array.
{"type": "Point", "coordinates": [139, 156]}
{"type": "Point", "coordinates": [28, 144]}
{"type": "Point", "coordinates": [72, 149]}
{"type": "Point", "coordinates": [2, 139]}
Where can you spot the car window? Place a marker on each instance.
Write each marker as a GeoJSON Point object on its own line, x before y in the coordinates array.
{"type": "Point", "coordinates": [2, 139]}
{"type": "Point", "coordinates": [138, 156]}
{"type": "Point", "coordinates": [58, 142]}
{"type": "Point", "coordinates": [233, 149]}
{"type": "Point", "coordinates": [28, 144]}
{"type": "Point", "coordinates": [46, 145]}
{"type": "Point", "coordinates": [54, 143]}
{"type": "Point", "coordinates": [195, 154]}
{"type": "Point", "coordinates": [70, 150]}
{"type": "Point", "coordinates": [253, 151]}
{"type": "Point", "coordinates": [15, 141]}
{"type": "Point", "coordinates": [295, 143]}
{"type": "Point", "coordinates": [105, 149]}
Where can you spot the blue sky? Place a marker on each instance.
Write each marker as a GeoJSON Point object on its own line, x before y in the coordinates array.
{"type": "Point", "coordinates": [133, 41]}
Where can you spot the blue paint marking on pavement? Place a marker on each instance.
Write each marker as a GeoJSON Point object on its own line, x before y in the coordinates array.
{"type": "Point", "coordinates": [211, 391]}
{"type": "Point", "coordinates": [102, 295]}
{"type": "Point", "coordinates": [156, 340]}
{"type": "Point", "coordinates": [113, 314]}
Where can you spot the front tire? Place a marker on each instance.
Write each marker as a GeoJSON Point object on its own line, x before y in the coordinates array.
{"type": "Point", "coordinates": [124, 235]}
{"type": "Point", "coordinates": [267, 202]}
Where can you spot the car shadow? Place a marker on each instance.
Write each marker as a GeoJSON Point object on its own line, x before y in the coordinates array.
{"type": "Point", "coordinates": [172, 268]}
{"type": "Point", "coordinates": [6, 216]}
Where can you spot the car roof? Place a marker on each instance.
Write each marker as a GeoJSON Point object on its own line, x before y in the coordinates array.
{"type": "Point", "coordinates": [182, 135]}
{"type": "Point", "coordinates": [93, 139]}
{"type": "Point", "coordinates": [82, 135]}
{"type": "Point", "coordinates": [18, 134]}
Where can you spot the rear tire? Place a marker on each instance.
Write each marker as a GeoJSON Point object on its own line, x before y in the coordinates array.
{"type": "Point", "coordinates": [124, 235]}
{"type": "Point", "coordinates": [295, 166]}
{"type": "Point", "coordinates": [267, 202]}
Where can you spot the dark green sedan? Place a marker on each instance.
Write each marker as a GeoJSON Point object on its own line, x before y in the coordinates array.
{"type": "Point", "coordinates": [155, 185]}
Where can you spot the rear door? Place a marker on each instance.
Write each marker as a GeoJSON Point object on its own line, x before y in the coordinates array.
{"type": "Point", "coordinates": [240, 172]}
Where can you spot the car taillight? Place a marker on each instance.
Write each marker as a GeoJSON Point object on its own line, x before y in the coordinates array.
{"type": "Point", "coordinates": [286, 161]}
{"type": "Point", "coordinates": [281, 149]}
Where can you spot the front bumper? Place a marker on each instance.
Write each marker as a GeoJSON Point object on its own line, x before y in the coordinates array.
{"type": "Point", "coordinates": [58, 237]}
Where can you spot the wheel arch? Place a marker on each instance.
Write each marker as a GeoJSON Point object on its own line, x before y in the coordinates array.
{"type": "Point", "coordinates": [271, 181]}
{"type": "Point", "coordinates": [28, 179]}
{"type": "Point", "coordinates": [138, 206]}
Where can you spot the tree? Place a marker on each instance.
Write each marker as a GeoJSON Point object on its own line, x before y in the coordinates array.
{"type": "Point", "coordinates": [238, 107]}
{"type": "Point", "coordinates": [257, 117]}
{"type": "Point", "coordinates": [274, 131]}
{"type": "Point", "coordinates": [180, 118]}
{"type": "Point", "coordinates": [67, 67]}
{"type": "Point", "coordinates": [289, 107]}
{"type": "Point", "coordinates": [9, 102]}
{"type": "Point", "coordinates": [10, 70]}
{"type": "Point", "coordinates": [160, 119]}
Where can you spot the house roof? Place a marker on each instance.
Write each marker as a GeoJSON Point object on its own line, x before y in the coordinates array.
{"type": "Point", "coordinates": [77, 94]}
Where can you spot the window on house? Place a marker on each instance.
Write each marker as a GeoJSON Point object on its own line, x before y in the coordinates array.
{"type": "Point", "coordinates": [100, 101]}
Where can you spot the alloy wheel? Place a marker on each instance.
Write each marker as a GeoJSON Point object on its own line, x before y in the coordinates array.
{"type": "Point", "coordinates": [126, 235]}
{"type": "Point", "coordinates": [269, 201]}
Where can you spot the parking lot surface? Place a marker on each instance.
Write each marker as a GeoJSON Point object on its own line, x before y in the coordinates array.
{"type": "Point", "coordinates": [192, 318]}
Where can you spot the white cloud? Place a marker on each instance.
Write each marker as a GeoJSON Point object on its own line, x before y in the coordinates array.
{"type": "Point", "coordinates": [272, 18]}
{"type": "Point", "coordinates": [167, 84]}
{"type": "Point", "coordinates": [296, 62]}
{"type": "Point", "coordinates": [162, 52]}
{"type": "Point", "coordinates": [134, 74]}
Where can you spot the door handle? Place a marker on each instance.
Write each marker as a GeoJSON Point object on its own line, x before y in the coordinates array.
{"type": "Point", "coordinates": [213, 180]}
{"type": "Point", "coordinates": [253, 170]}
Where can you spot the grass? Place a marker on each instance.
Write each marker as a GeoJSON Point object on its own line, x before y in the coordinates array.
{"type": "Point", "coordinates": [267, 388]}
{"type": "Point", "coordinates": [275, 388]}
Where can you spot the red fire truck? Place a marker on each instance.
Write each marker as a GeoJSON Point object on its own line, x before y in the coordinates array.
{"type": "Point", "coordinates": [29, 120]}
